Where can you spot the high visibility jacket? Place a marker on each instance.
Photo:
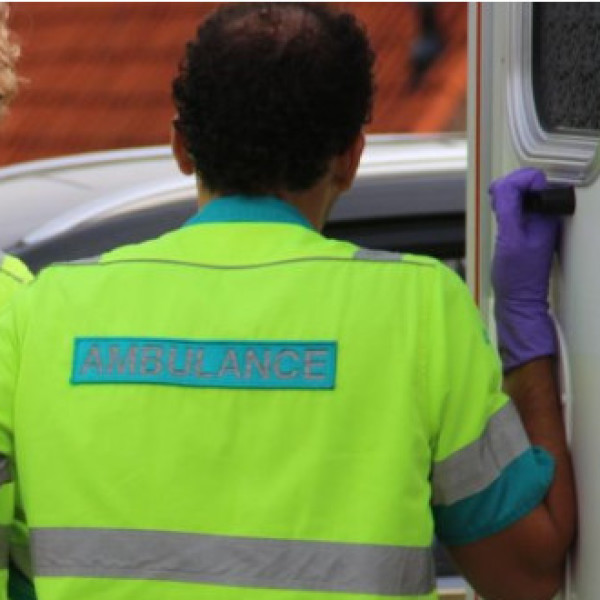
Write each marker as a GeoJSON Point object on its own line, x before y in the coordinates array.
{"type": "Point", "coordinates": [13, 274]}
{"type": "Point", "coordinates": [244, 409]}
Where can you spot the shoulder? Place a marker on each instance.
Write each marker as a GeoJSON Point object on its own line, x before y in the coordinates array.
{"type": "Point", "coordinates": [400, 258]}
{"type": "Point", "coordinates": [13, 275]}
{"type": "Point", "coordinates": [430, 271]}
{"type": "Point", "coordinates": [13, 268]}
{"type": "Point", "coordinates": [435, 268]}
{"type": "Point", "coordinates": [90, 266]}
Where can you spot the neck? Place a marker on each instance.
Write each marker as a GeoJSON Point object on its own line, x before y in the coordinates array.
{"type": "Point", "coordinates": [314, 204]}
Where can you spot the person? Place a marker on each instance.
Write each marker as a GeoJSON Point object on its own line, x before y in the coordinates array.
{"type": "Point", "coordinates": [243, 408]}
{"type": "Point", "coordinates": [14, 274]}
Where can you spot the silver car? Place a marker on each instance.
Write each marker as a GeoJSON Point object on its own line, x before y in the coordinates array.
{"type": "Point", "coordinates": [409, 196]}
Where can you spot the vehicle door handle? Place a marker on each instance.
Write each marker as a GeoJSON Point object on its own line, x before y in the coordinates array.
{"type": "Point", "coordinates": [558, 200]}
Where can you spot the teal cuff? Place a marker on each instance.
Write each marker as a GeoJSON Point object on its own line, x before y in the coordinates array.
{"type": "Point", "coordinates": [520, 487]}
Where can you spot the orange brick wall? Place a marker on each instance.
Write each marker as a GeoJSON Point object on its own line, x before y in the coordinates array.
{"type": "Point", "coordinates": [98, 74]}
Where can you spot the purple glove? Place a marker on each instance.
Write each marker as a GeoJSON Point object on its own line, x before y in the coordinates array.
{"type": "Point", "coordinates": [525, 244]}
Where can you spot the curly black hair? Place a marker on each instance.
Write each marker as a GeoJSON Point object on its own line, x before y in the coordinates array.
{"type": "Point", "coordinates": [269, 93]}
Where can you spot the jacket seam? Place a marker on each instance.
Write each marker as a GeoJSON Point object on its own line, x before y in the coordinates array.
{"type": "Point", "coordinates": [240, 267]}
{"type": "Point", "coordinates": [11, 275]}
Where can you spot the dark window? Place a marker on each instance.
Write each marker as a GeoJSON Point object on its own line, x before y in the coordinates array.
{"type": "Point", "coordinates": [566, 66]}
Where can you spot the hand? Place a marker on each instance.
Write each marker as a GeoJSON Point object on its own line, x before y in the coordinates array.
{"type": "Point", "coordinates": [525, 244]}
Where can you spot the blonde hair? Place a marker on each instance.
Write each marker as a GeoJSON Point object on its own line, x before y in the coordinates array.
{"type": "Point", "coordinates": [9, 52]}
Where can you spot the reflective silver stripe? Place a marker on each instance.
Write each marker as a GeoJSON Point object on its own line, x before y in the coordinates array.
{"type": "Point", "coordinates": [236, 561]}
{"type": "Point", "coordinates": [88, 260]}
{"type": "Point", "coordinates": [384, 256]}
{"type": "Point", "coordinates": [476, 466]}
{"type": "Point", "coordinates": [5, 470]}
{"type": "Point", "coordinates": [377, 255]}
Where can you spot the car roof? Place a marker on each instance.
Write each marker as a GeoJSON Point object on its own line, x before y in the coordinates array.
{"type": "Point", "coordinates": [45, 198]}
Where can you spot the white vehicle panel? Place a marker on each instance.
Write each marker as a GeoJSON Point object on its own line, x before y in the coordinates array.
{"type": "Point", "coordinates": [576, 281]}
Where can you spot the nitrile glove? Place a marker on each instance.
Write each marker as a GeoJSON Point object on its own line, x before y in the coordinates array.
{"type": "Point", "coordinates": [525, 244]}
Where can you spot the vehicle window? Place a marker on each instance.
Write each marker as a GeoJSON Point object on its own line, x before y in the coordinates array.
{"type": "Point", "coordinates": [553, 80]}
{"type": "Point", "coordinates": [566, 57]}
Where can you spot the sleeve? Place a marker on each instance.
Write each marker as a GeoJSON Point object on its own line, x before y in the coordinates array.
{"type": "Point", "coordinates": [485, 474]}
{"type": "Point", "coordinates": [8, 374]}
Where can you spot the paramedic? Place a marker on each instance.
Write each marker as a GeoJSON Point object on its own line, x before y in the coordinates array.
{"type": "Point", "coordinates": [243, 408]}
{"type": "Point", "coordinates": [13, 274]}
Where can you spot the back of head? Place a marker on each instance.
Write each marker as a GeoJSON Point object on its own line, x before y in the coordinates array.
{"type": "Point", "coordinates": [269, 93]}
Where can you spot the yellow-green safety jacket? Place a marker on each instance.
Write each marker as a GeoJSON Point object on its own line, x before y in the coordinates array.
{"type": "Point", "coordinates": [244, 409]}
{"type": "Point", "coordinates": [13, 274]}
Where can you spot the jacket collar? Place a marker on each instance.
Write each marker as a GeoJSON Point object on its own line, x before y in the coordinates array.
{"type": "Point", "coordinates": [249, 209]}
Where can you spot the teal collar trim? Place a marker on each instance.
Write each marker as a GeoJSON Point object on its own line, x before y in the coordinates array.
{"type": "Point", "coordinates": [249, 209]}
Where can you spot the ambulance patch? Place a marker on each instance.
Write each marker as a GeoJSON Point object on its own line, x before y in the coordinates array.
{"type": "Point", "coordinates": [206, 363]}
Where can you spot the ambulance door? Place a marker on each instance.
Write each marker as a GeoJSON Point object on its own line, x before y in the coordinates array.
{"type": "Point", "coordinates": [535, 101]}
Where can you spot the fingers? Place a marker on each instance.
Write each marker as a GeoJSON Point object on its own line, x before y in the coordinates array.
{"type": "Point", "coordinates": [507, 193]}
{"type": "Point", "coordinates": [514, 184]}
{"type": "Point", "coordinates": [522, 179]}
{"type": "Point", "coordinates": [544, 229]}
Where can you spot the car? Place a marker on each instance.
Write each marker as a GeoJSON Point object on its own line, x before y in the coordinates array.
{"type": "Point", "coordinates": [409, 196]}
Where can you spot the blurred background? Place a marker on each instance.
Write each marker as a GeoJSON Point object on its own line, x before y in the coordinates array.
{"type": "Point", "coordinates": [98, 75]}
